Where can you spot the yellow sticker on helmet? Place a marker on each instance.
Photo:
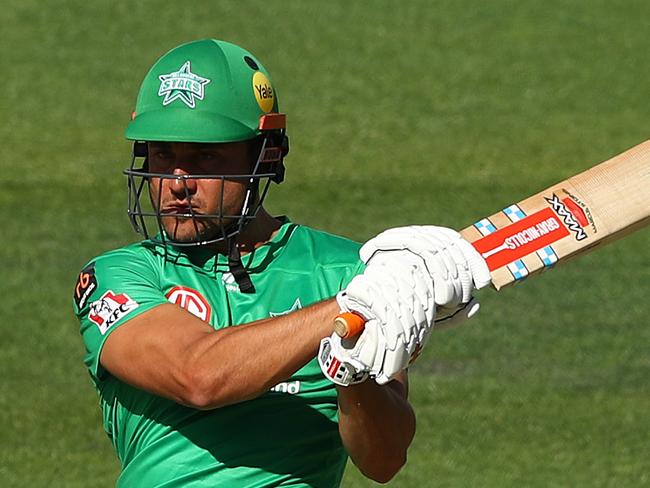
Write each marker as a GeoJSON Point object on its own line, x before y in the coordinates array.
{"type": "Point", "coordinates": [263, 91]}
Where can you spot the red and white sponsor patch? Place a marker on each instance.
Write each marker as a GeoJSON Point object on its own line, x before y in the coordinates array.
{"type": "Point", "coordinates": [191, 300]}
{"type": "Point", "coordinates": [521, 238]}
{"type": "Point", "coordinates": [110, 308]}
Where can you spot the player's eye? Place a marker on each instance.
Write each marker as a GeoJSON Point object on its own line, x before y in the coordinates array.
{"type": "Point", "coordinates": [161, 163]}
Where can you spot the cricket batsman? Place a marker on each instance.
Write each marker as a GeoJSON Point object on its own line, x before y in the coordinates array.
{"type": "Point", "coordinates": [211, 342]}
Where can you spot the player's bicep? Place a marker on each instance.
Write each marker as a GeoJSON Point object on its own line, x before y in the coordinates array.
{"type": "Point", "coordinates": [110, 291]}
{"type": "Point", "coordinates": [154, 351]}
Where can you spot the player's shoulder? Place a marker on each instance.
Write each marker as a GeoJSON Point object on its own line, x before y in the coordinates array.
{"type": "Point", "coordinates": [136, 253]}
{"type": "Point", "coordinates": [134, 262]}
{"type": "Point", "coordinates": [327, 247]}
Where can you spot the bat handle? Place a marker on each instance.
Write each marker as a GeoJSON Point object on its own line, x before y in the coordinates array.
{"type": "Point", "coordinates": [349, 324]}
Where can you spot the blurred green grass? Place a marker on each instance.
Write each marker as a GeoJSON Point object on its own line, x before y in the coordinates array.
{"type": "Point", "coordinates": [417, 112]}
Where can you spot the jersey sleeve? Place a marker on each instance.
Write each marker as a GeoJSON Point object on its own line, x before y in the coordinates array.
{"type": "Point", "coordinates": [350, 272]}
{"type": "Point", "coordinates": [111, 290]}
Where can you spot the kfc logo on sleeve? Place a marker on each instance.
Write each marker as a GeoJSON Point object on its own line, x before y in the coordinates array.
{"type": "Point", "coordinates": [109, 309]}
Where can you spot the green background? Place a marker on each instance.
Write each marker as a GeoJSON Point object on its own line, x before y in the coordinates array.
{"type": "Point", "coordinates": [399, 113]}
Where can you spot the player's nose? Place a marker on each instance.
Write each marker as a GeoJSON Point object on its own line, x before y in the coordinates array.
{"type": "Point", "coordinates": [182, 186]}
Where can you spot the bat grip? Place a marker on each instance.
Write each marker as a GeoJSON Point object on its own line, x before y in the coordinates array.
{"type": "Point", "coordinates": [349, 324]}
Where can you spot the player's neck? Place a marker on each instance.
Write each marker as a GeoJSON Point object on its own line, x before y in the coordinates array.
{"type": "Point", "coordinates": [260, 231]}
{"type": "Point", "coordinates": [257, 233]}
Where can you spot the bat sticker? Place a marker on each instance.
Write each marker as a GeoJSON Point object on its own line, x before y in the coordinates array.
{"type": "Point", "coordinates": [521, 238]}
{"type": "Point", "coordinates": [575, 219]}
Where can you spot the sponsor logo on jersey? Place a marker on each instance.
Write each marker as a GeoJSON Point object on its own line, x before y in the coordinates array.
{"type": "Point", "coordinates": [182, 85]}
{"type": "Point", "coordinates": [191, 300]}
{"type": "Point", "coordinates": [86, 285]}
{"type": "Point", "coordinates": [263, 91]}
{"type": "Point", "coordinates": [521, 238]}
{"type": "Point", "coordinates": [290, 387]}
{"type": "Point", "coordinates": [573, 216]}
{"type": "Point", "coordinates": [229, 282]}
{"type": "Point", "coordinates": [110, 308]}
{"type": "Point", "coordinates": [296, 306]}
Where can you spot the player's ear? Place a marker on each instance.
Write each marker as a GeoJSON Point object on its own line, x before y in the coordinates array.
{"type": "Point", "coordinates": [141, 150]}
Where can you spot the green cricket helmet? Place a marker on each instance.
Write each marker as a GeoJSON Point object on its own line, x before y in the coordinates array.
{"type": "Point", "coordinates": [203, 91]}
{"type": "Point", "coordinates": [206, 91]}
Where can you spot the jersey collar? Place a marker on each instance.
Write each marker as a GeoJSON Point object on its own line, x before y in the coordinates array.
{"type": "Point", "coordinates": [254, 262]}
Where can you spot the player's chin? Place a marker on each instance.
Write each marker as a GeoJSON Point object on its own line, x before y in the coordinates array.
{"type": "Point", "coordinates": [187, 230]}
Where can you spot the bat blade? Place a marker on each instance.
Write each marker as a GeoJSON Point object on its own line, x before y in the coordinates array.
{"type": "Point", "coordinates": [595, 207]}
{"type": "Point", "coordinates": [600, 205]}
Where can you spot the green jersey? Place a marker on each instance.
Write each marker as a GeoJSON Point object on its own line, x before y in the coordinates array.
{"type": "Point", "coordinates": [285, 437]}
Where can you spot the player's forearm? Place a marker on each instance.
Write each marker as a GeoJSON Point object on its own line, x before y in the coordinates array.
{"type": "Point", "coordinates": [377, 425]}
{"type": "Point", "coordinates": [239, 363]}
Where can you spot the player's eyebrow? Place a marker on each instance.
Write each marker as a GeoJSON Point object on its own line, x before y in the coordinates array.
{"type": "Point", "coordinates": [209, 147]}
{"type": "Point", "coordinates": [161, 145]}
{"type": "Point", "coordinates": [197, 146]}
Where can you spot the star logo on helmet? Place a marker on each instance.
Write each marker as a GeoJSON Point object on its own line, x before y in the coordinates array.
{"type": "Point", "coordinates": [182, 85]}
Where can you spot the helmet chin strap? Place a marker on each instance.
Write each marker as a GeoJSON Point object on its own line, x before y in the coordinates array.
{"type": "Point", "coordinates": [235, 265]}
{"type": "Point", "coordinates": [237, 269]}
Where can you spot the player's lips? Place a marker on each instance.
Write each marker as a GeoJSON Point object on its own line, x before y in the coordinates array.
{"type": "Point", "coordinates": [180, 209]}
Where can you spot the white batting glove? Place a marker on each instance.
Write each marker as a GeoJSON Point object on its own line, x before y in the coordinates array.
{"type": "Point", "coordinates": [464, 313]}
{"type": "Point", "coordinates": [453, 266]}
{"type": "Point", "coordinates": [413, 274]}
{"type": "Point", "coordinates": [396, 302]}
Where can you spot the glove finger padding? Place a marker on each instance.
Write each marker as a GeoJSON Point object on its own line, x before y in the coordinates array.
{"type": "Point", "coordinates": [479, 271]}
{"type": "Point", "coordinates": [366, 295]}
{"type": "Point", "coordinates": [456, 270]}
{"type": "Point", "coordinates": [413, 276]}
{"type": "Point", "coordinates": [400, 299]}
{"type": "Point", "coordinates": [411, 311]}
{"type": "Point", "coordinates": [385, 293]}
{"type": "Point", "coordinates": [478, 268]}
{"type": "Point", "coordinates": [440, 266]}
{"type": "Point", "coordinates": [410, 314]}
{"type": "Point", "coordinates": [463, 275]}
{"type": "Point", "coordinates": [391, 352]}
{"type": "Point", "coordinates": [396, 239]}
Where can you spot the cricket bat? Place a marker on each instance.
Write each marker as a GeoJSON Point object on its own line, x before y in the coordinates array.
{"type": "Point", "coordinates": [585, 211]}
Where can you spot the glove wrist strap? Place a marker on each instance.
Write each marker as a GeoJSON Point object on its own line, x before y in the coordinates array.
{"type": "Point", "coordinates": [335, 370]}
